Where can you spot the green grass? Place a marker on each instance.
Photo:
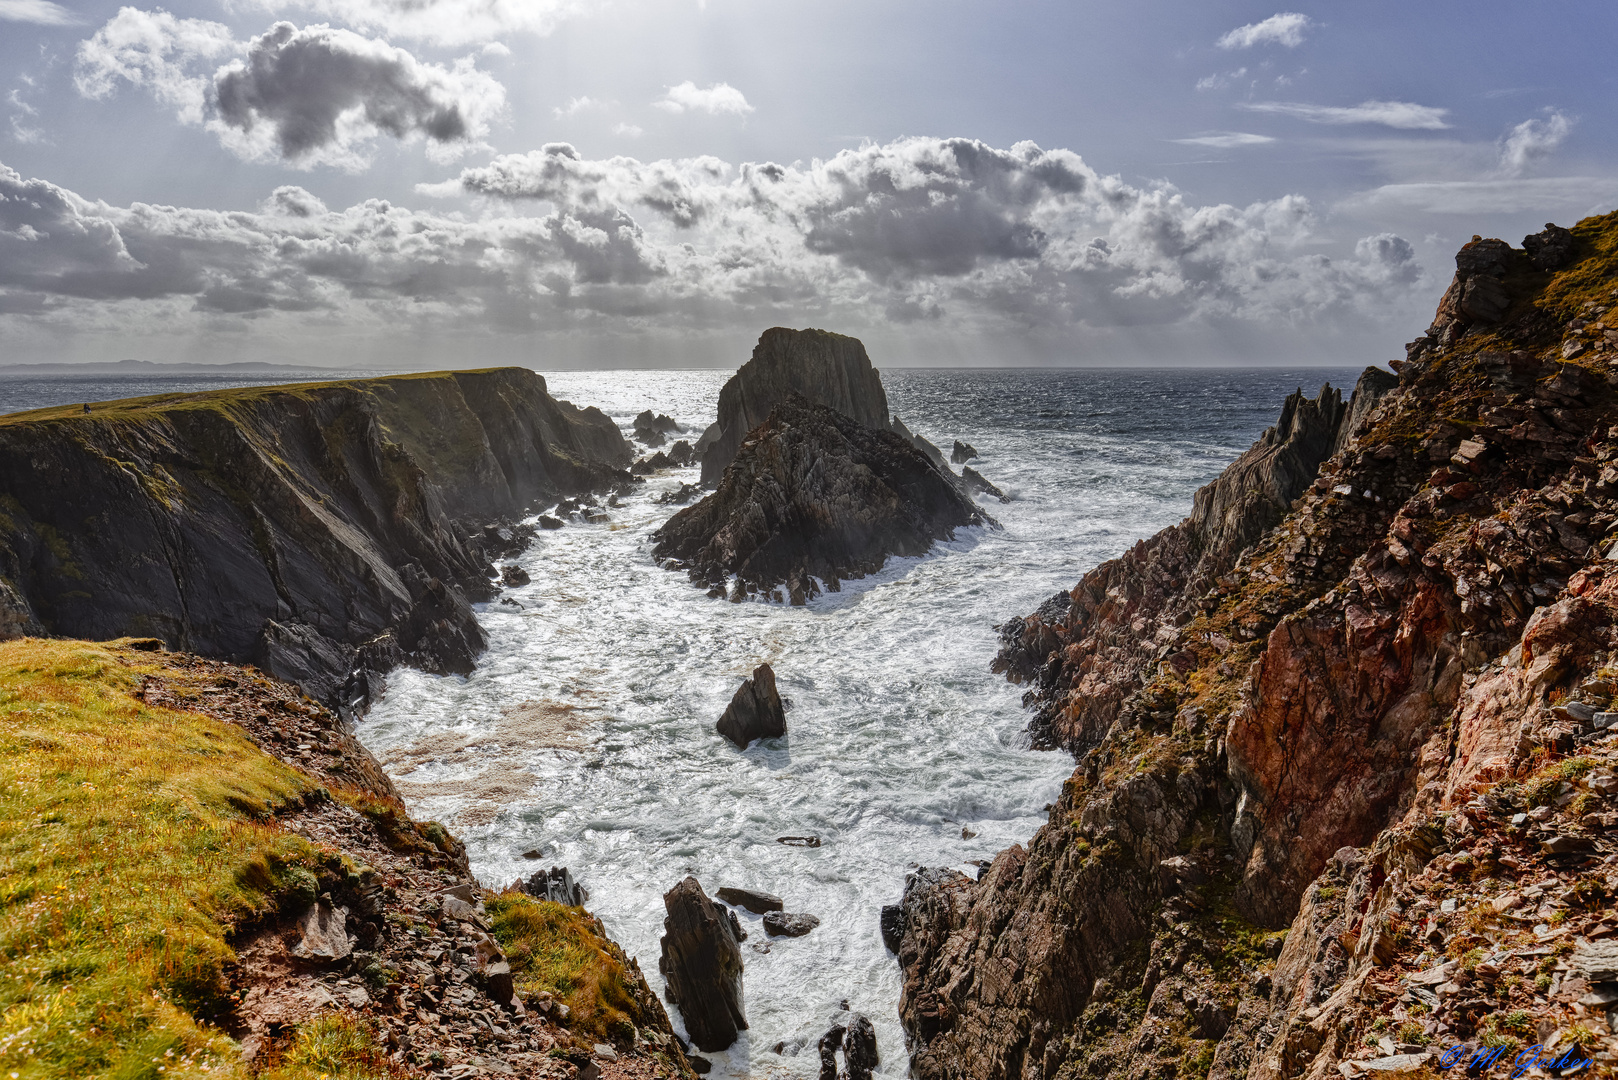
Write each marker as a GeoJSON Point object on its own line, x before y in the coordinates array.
{"type": "Point", "coordinates": [563, 951]}
{"type": "Point", "coordinates": [132, 840]}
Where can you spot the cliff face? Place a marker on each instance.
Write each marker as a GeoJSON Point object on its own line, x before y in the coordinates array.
{"type": "Point", "coordinates": [826, 368]}
{"type": "Point", "coordinates": [311, 529]}
{"type": "Point", "coordinates": [1282, 707]}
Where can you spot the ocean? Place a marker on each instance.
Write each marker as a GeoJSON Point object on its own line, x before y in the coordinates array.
{"type": "Point", "coordinates": [587, 731]}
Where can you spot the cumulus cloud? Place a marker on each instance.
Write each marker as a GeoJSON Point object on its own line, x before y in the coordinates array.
{"type": "Point", "coordinates": [1226, 140]}
{"type": "Point", "coordinates": [720, 98]}
{"type": "Point", "coordinates": [1395, 114]}
{"type": "Point", "coordinates": [1532, 140]}
{"type": "Point", "coordinates": [952, 233]}
{"type": "Point", "coordinates": [310, 96]}
{"type": "Point", "coordinates": [451, 23]}
{"type": "Point", "coordinates": [1283, 28]}
{"type": "Point", "coordinates": [38, 12]}
{"type": "Point", "coordinates": [319, 95]}
{"type": "Point", "coordinates": [157, 51]}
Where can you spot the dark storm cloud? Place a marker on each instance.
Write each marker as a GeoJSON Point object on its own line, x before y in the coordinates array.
{"type": "Point", "coordinates": [315, 89]}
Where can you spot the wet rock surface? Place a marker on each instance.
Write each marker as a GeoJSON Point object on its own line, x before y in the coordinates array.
{"type": "Point", "coordinates": [702, 964]}
{"type": "Point", "coordinates": [753, 900]}
{"type": "Point", "coordinates": [1343, 800]}
{"type": "Point", "coordinates": [819, 366]}
{"type": "Point", "coordinates": [788, 924]}
{"type": "Point", "coordinates": [813, 495]}
{"type": "Point", "coordinates": [316, 531]}
{"type": "Point", "coordinates": [756, 710]}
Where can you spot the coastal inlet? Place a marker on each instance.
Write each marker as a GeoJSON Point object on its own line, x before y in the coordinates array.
{"type": "Point", "coordinates": [586, 733]}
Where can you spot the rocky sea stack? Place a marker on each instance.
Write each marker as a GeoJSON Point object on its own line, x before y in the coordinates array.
{"type": "Point", "coordinates": [320, 531]}
{"type": "Point", "coordinates": [830, 369]}
{"type": "Point", "coordinates": [1345, 794]}
{"type": "Point", "coordinates": [814, 494]}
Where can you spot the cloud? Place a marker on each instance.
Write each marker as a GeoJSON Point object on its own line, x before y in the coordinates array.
{"type": "Point", "coordinates": [155, 50]}
{"type": "Point", "coordinates": [1531, 141]}
{"type": "Point", "coordinates": [633, 131]}
{"type": "Point", "coordinates": [1394, 114]}
{"type": "Point", "coordinates": [1226, 140]}
{"type": "Point", "coordinates": [39, 12]}
{"type": "Point", "coordinates": [313, 96]}
{"type": "Point", "coordinates": [1574, 195]}
{"type": "Point", "coordinates": [715, 100]}
{"type": "Point", "coordinates": [951, 233]}
{"type": "Point", "coordinates": [450, 23]}
{"type": "Point", "coordinates": [1219, 82]}
{"type": "Point", "coordinates": [319, 95]}
{"type": "Point", "coordinates": [577, 105]}
{"type": "Point", "coordinates": [1283, 28]}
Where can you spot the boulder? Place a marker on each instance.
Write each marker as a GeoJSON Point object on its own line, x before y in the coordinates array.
{"type": "Point", "coordinates": [753, 900]}
{"type": "Point", "coordinates": [323, 934]}
{"type": "Point", "coordinates": [702, 965]}
{"type": "Point", "coordinates": [814, 494]}
{"type": "Point", "coordinates": [557, 886]}
{"type": "Point", "coordinates": [973, 480]}
{"type": "Point", "coordinates": [856, 1038]}
{"type": "Point", "coordinates": [513, 576]}
{"type": "Point", "coordinates": [825, 368]}
{"type": "Point", "coordinates": [756, 711]}
{"type": "Point", "coordinates": [785, 924]}
{"type": "Point", "coordinates": [962, 453]}
{"type": "Point", "coordinates": [892, 923]}
{"type": "Point", "coordinates": [1551, 249]}
{"type": "Point", "coordinates": [652, 430]}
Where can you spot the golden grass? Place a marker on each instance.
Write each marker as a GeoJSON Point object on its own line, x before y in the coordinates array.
{"type": "Point", "coordinates": [132, 839]}
{"type": "Point", "coordinates": [562, 950]}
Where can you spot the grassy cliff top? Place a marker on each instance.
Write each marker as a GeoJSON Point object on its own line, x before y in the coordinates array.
{"type": "Point", "coordinates": [216, 399]}
{"type": "Point", "coordinates": [133, 840]}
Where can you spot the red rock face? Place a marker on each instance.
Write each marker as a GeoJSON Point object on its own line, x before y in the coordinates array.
{"type": "Point", "coordinates": [1325, 702]}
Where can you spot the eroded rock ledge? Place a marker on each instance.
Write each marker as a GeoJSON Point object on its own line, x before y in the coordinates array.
{"type": "Point", "coordinates": [1360, 708]}
{"type": "Point", "coordinates": [317, 530]}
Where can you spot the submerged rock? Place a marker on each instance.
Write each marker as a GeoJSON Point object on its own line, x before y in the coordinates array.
{"type": "Point", "coordinates": [826, 368]}
{"type": "Point", "coordinates": [652, 430]}
{"type": "Point", "coordinates": [756, 711]}
{"type": "Point", "coordinates": [702, 964]}
{"type": "Point", "coordinates": [973, 480]}
{"type": "Point", "coordinates": [788, 924]}
{"type": "Point", "coordinates": [814, 494]}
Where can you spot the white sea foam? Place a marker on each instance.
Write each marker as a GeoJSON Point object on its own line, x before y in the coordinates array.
{"type": "Point", "coordinates": [899, 737]}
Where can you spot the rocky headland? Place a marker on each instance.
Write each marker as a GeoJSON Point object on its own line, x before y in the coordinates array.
{"type": "Point", "coordinates": [813, 496]}
{"type": "Point", "coordinates": [325, 532]}
{"type": "Point", "coordinates": [1345, 794]}
{"type": "Point", "coordinates": [206, 874]}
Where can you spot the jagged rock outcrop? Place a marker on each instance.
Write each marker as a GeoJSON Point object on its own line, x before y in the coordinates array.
{"type": "Point", "coordinates": [315, 530]}
{"type": "Point", "coordinates": [1098, 629]}
{"type": "Point", "coordinates": [826, 368]}
{"type": "Point", "coordinates": [702, 965]}
{"type": "Point", "coordinates": [813, 494]}
{"type": "Point", "coordinates": [962, 453]}
{"type": "Point", "coordinates": [755, 711]}
{"type": "Point", "coordinates": [1289, 713]}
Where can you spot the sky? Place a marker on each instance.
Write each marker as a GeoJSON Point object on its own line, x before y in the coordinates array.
{"type": "Point", "coordinates": [609, 183]}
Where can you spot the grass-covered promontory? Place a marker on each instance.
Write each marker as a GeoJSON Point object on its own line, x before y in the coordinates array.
{"type": "Point", "coordinates": [133, 841]}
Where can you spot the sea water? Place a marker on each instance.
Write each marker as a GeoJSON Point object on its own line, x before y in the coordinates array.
{"type": "Point", "coordinates": [587, 731]}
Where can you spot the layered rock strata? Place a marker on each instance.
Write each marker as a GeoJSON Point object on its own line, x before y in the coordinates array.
{"type": "Point", "coordinates": [702, 966]}
{"type": "Point", "coordinates": [321, 531]}
{"type": "Point", "coordinates": [1332, 733]}
{"type": "Point", "coordinates": [813, 497]}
